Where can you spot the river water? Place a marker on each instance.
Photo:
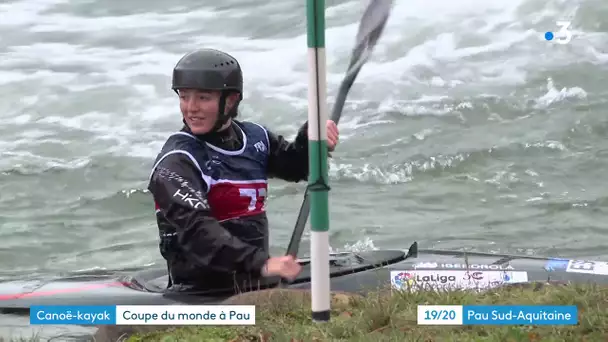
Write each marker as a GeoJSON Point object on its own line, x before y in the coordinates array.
{"type": "Point", "coordinates": [466, 130]}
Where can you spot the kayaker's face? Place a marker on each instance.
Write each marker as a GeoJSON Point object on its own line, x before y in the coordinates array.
{"type": "Point", "coordinates": [200, 108]}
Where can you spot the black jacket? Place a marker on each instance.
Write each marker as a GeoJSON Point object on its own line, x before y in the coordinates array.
{"type": "Point", "coordinates": [199, 250]}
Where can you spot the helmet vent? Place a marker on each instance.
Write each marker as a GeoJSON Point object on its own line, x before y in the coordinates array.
{"type": "Point", "coordinates": [224, 63]}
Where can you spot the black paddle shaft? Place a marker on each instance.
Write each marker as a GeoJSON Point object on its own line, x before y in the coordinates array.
{"type": "Point", "coordinates": [370, 29]}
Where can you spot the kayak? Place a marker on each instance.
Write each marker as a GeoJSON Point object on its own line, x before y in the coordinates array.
{"type": "Point", "coordinates": [359, 272]}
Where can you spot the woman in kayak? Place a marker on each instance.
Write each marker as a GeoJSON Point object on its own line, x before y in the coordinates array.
{"type": "Point", "coordinates": [209, 181]}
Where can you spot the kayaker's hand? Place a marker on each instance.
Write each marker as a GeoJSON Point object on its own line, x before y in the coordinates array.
{"type": "Point", "coordinates": [285, 266]}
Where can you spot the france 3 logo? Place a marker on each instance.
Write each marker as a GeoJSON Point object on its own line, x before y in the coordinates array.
{"type": "Point", "coordinates": [563, 34]}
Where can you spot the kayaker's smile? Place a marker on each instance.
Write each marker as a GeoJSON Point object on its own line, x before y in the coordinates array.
{"type": "Point", "coordinates": [200, 109]}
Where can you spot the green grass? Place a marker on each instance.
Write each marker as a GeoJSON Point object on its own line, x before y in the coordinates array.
{"type": "Point", "coordinates": [284, 315]}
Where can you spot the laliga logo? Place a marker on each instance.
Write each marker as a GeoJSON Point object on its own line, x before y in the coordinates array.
{"type": "Point", "coordinates": [564, 35]}
{"type": "Point", "coordinates": [403, 279]}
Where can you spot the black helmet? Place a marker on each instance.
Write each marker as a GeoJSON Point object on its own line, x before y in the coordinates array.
{"type": "Point", "coordinates": [208, 69]}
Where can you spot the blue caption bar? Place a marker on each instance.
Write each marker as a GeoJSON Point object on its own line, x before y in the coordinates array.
{"type": "Point", "coordinates": [69, 314]}
{"type": "Point", "coordinates": [519, 314]}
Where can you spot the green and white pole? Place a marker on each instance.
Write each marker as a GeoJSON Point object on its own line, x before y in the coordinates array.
{"type": "Point", "coordinates": [317, 154]}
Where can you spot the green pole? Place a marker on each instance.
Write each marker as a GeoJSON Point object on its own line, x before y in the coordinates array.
{"type": "Point", "coordinates": [317, 147]}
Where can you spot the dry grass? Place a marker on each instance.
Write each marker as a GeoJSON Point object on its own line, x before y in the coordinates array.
{"type": "Point", "coordinates": [284, 315]}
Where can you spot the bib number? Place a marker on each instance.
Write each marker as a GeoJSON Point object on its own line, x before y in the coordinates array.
{"type": "Point", "coordinates": [255, 196]}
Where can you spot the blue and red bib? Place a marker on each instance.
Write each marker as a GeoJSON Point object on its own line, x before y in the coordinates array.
{"type": "Point", "coordinates": [236, 180]}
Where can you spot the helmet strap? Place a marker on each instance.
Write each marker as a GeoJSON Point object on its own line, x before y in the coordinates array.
{"type": "Point", "coordinates": [222, 116]}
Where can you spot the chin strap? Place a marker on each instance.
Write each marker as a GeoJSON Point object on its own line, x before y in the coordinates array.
{"type": "Point", "coordinates": [223, 117]}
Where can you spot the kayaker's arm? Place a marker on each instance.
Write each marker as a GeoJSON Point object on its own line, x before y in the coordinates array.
{"type": "Point", "coordinates": [289, 160]}
{"type": "Point", "coordinates": [179, 193]}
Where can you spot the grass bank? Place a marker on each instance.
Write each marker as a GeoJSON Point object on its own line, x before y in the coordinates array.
{"type": "Point", "coordinates": [284, 315]}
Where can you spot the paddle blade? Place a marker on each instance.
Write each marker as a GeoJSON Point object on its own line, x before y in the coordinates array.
{"type": "Point", "coordinates": [372, 24]}
{"type": "Point", "coordinates": [370, 29]}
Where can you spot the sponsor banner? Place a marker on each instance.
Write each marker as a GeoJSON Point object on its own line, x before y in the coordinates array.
{"type": "Point", "coordinates": [462, 266]}
{"type": "Point", "coordinates": [589, 267]}
{"type": "Point", "coordinates": [454, 279]}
